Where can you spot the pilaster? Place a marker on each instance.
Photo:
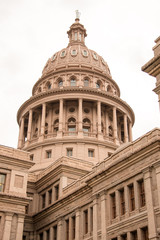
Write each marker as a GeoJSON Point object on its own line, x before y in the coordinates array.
{"type": "Point", "coordinates": [7, 226]}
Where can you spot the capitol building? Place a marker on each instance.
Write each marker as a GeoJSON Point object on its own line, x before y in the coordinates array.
{"type": "Point", "coordinates": [77, 174]}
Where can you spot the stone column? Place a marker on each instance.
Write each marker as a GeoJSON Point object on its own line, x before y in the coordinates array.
{"type": "Point", "coordinates": [125, 129]}
{"type": "Point", "coordinates": [130, 132]}
{"type": "Point", "coordinates": [126, 197]}
{"type": "Point", "coordinates": [60, 118]}
{"type": "Point", "coordinates": [117, 204]}
{"type": "Point", "coordinates": [29, 125]}
{"type": "Point", "coordinates": [51, 233]}
{"type": "Point", "coordinates": [31, 236]}
{"type": "Point", "coordinates": [95, 218]}
{"type": "Point", "coordinates": [99, 119]}
{"type": "Point", "coordinates": [94, 120]}
{"type": "Point", "coordinates": [115, 124]}
{"type": "Point", "coordinates": [21, 133]}
{"type": "Point", "coordinates": [136, 195]}
{"type": "Point", "coordinates": [107, 124]}
{"type": "Point", "coordinates": [139, 235]}
{"type": "Point", "coordinates": [103, 215]}
{"type": "Point", "coordinates": [157, 168]}
{"type": "Point", "coordinates": [80, 131]}
{"type": "Point", "coordinates": [59, 230]}
{"type": "Point", "coordinates": [20, 223]}
{"type": "Point", "coordinates": [149, 205]}
{"type": "Point", "coordinates": [50, 121]}
{"type": "Point", "coordinates": [129, 236]}
{"type": "Point", "coordinates": [43, 120]}
{"type": "Point", "coordinates": [78, 218]}
{"type": "Point", "coordinates": [7, 226]}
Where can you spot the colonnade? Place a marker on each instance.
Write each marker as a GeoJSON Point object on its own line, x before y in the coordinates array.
{"type": "Point", "coordinates": [8, 225]}
{"type": "Point", "coordinates": [101, 222]}
{"type": "Point", "coordinates": [96, 124]}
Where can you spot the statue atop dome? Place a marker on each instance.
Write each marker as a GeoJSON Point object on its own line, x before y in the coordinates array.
{"type": "Point", "coordinates": [78, 14]}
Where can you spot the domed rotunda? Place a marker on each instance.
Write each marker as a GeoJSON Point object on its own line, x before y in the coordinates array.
{"type": "Point", "coordinates": [75, 109]}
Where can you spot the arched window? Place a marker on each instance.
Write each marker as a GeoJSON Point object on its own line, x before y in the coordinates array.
{"type": "Point", "coordinates": [102, 127]}
{"type": "Point", "coordinates": [39, 90]}
{"type": "Point", "coordinates": [86, 126]}
{"type": "Point", "coordinates": [72, 126]}
{"type": "Point", "coordinates": [109, 89]}
{"type": "Point", "coordinates": [110, 131]}
{"type": "Point", "coordinates": [86, 82]}
{"type": "Point", "coordinates": [48, 85]}
{"type": "Point", "coordinates": [60, 82]}
{"type": "Point", "coordinates": [46, 128]}
{"type": "Point", "coordinates": [73, 82]}
{"type": "Point", "coordinates": [99, 84]}
{"type": "Point", "coordinates": [56, 125]}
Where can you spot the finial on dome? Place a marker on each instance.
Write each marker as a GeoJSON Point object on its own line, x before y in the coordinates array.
{"type": "Point", "coordinates": [78, 14]}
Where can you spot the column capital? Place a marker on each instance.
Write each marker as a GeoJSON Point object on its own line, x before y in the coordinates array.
{"type": "Point", "coordinates": [147, 172]}
{"type": "Point", "coordinates": [103, 194]}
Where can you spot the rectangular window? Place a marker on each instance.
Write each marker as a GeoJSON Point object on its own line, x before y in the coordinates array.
{"type": "Point", "coordinates": [56, 192]}
{"type": "Point", "coordinates": [50, 196]}
{"type": "Point", "coordinates": [48, 235]}
{"type": "Point", "coordinates": [31, 157]}
{"type": "Point", "coordinates": [55, 232]}
{"type": "Point", "coordinates": [134, 235]}
{"type": "Point", "coordinates": [69, 152]}
{"type": "Point", "coordinates": [43, 200]}
{"type": "Point", "coordinates": [122, 201]}
{"type": "Point", "coordinates": [131, 197]}
{"type": "Point", "coordinates": [144, 233]}
{"type": "Point", "coordinates": [141, 193]}
{"type": "Point", "coordinates": [113, 205]}
{"type": "Point", "coordinates": [73, 227]}
{"type": "Point", "coordinates": [85, 221]}
{"type": "Point", "coordinates": [67, 229]}
{"type": "Point", "coordinates": [72, 131]}
{"type": "Point", "coordinates": [90, 152]}
{"type": "Point", "coordinates": [48, 154]}
{"type": "Point", "coordinates": [2, 182]}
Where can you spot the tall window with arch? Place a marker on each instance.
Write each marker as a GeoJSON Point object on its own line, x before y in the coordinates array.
{"type": "Point", "coordinates": [73, 81]}
{"type": "Point", "coordinates": [86, 126]}
{"type": "Point", "coordinates": [56, 125]}
{"type": "Point", "coordinates": [86, 82]}
{"type": "Point", "coordinates": [71, 126]}
{"type": "Point", "coordinates": [60, 82]}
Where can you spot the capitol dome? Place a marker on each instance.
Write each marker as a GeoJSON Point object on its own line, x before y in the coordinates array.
{"type": "Point", "coordinates": [75, 108]}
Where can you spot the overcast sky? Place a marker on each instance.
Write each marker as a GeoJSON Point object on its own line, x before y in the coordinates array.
{"type": "Point", "coordinates": [121, 31]}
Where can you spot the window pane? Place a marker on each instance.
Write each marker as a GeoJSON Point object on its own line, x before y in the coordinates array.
{"type": "Point", "coordinates": [2, 182]}
{"type": "Point", "coordinates": [73, 82]}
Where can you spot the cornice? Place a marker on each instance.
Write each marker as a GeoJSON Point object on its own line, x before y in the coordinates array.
{"type": "Point", "coordinates": [152, 67]}
{"type": "Point", "coordinates": [70, 140]}
{"type": "Point", "coordinates": [85, 90]}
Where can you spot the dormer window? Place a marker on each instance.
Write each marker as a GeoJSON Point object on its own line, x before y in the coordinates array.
{"type": "Point", "coordinates": [63, 53]}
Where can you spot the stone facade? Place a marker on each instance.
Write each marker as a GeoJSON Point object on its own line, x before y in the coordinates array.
{"type": "Point", "coordinates": [77, 173]}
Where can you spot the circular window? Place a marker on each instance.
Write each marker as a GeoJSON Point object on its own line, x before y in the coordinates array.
{"type": "Point", "coordinates": [54, 57]}
{"type": "Point", "coordinates": [63, 54]}
{"type": "Point", "coordinates": [71, 109]}
{"type": "Point", "coordinates": [85, 53]}
{"type": "Point", "coordinates": [86, 110]}
{"type": "Point", "coordinates": [74, 52]}
{"type": "Point", "coordinates": [57, 111]}
{"type": "Point", "coordinates": [95, 56]}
